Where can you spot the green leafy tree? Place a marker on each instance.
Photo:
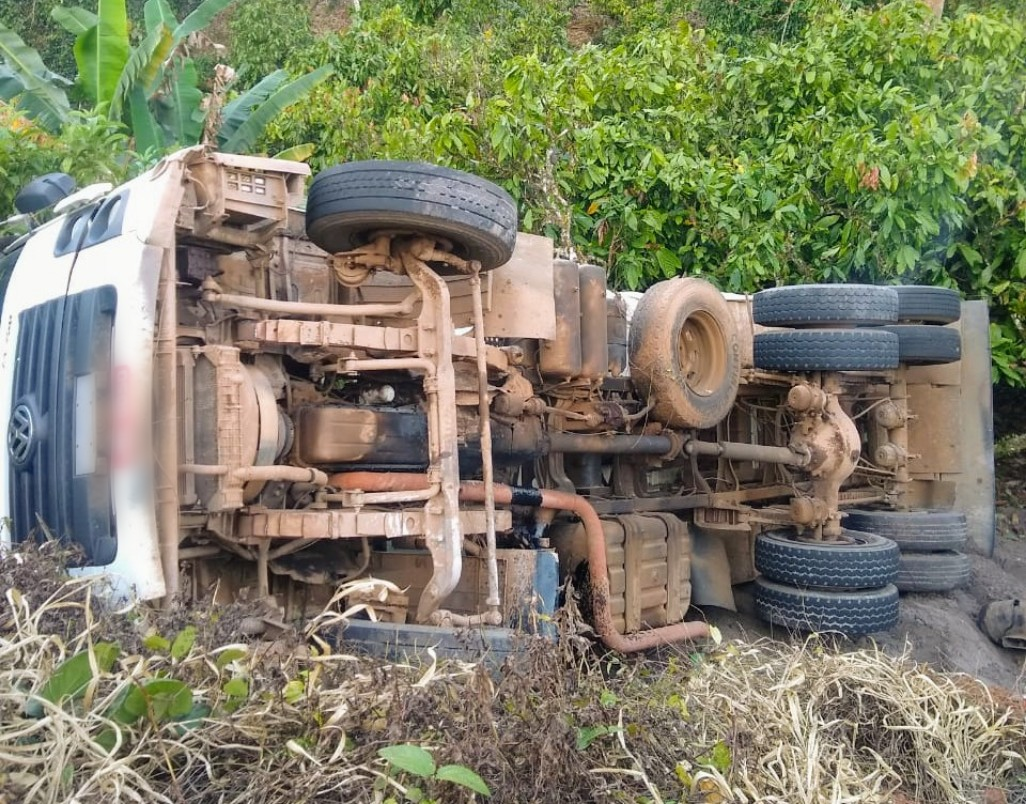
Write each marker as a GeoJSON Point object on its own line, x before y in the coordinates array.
{"type": "Point", "coordinates": [876, 144]}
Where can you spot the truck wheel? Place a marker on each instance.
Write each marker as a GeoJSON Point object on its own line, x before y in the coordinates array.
{"type": "Point", "coordinates": [348, 202]}
{"type": "Point", "coordinates": [933, 572]}
{"type": "Point", "coordinates": [862, 561]}
{"type": "Point", "coordinates": [825, 305]}
{"type": "Point", "coordinates": [849, 613]}
{"type": "Point", "coordinates": [826, 350]}
{"type": "Point", "coordinates": [928, 305]}
{"type": "Point", "coordinates": [925, 344]}
{"type": "Point", "coordinates": [685, 353]}
{"type": "Point", "coordinates": [919, 531]}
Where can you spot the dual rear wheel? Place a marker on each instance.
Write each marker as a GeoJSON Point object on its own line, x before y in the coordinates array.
{"type": "Point", "coordinates": [855, 327]}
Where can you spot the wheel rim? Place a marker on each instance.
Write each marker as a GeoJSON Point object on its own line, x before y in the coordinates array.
{"type": "Point", "coordinates": [849, 538]}
{"type": "Point", "coordinates": [702, 354]}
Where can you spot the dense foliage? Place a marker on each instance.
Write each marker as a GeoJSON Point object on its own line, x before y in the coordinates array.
{"type": "Point", "coordinates": [91, 148]}
{"type": "Point", "coordinates": [877, 144]}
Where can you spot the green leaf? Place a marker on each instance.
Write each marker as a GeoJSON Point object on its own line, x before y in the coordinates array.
{"type": "Point", "coordinates": [1020, 263]}
{"type": "Point", "coordinates": [149, 136]}
{"type": "Point", "coordinates": [158, 699]}
{"type": "Point", "coordinates": [410, 758]}
{"type": "Point", "coordinates": [227, 656]}
{"type": "Point", "coordinates": [27, 79]}
{"type": "Point", "coordinates": [297, 153]}
{"type": "Point", "coordinates": [201, 17]}
{"type": "Point", "coordinates": [73, 19]}
{"type": "Point", "coordinates": [293, 691]}
{"type": "Point", "coordinates": [906, 257]}
{"type": "Point", "coordinates": [102, 51]}
{"type": "Point", "coordinates": [156, 643]}
{"type": "Point", "coordinates": [236, 688]}
{"type": "Point", "coordinates": [464, 777]}
{"type": "Point", "coordinates": [10, 85]}
{"type": "Point", "coordinates": [157, 13]}
{"type": "Point", "coordinates": [669, 263]}
{"type": "Point", "coordinates": [193, 718]}
{"type": "Point", "coordinates": [237, 111]}
{"type": "Point", "coordinates": [247, 134]}
{"type": "Point", "coordinates": [589, 734]}
{"type": "Point", "coordinates": [142, 67]}
{"type": "Point", "coordinates": [970, 255]}
{"type": "Point", "coordinates": [183, 643]}
{"type": "Point", "coordinates": [178, 112]}
{"type": "Point", "coordinates": [107, 739]}
{"type": "Point", "coordinates": [71, 677]}
{"type": "Point", "coordinates": [719, 757]}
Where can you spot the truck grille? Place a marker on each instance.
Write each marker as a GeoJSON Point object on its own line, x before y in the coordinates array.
{"type": "Point", "coordinates": [59, 341]}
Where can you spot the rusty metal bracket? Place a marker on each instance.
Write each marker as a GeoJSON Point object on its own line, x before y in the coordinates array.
{"type": "Point", "coordinates": [441, 513]}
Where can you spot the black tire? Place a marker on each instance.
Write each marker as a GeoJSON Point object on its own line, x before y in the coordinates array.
{"type": "Point", "coordinates": [923, 530]}
{"type": "Point", "coordinates": [825, 305]}
{"type": "Point", "coordinates": [849, 613]}
{"type": "Point", "coordinates": [863, 561]}
{"type": "Point", "coordinates": [826, 350]}
{"type": "Point", "coordinates": [684, 353]}
{"type": "Point", "coordinates": [928, 305]}
{"type": "Point", "coordinates": [925, 344]}
{"type": "Point", "coordinates": [933, 572]}
{"type": "Point", "coordinates": [348, 202]}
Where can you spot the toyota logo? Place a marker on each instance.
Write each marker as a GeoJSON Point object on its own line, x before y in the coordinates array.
{"type": "Point", "coordinates": [21, 434]}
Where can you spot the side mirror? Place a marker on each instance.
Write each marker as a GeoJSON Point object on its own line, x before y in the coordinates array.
{"type": "Point", "coordinates": [43, 192]}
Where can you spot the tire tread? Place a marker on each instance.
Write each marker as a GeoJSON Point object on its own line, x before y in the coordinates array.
{"type": "Point", "coordinates": [851, 614]}
{"type": "Point", "coordinates": [826, 350]}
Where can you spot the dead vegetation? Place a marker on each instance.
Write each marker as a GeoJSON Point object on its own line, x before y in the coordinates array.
{"type": "Point", "coordinates": [304, 721]}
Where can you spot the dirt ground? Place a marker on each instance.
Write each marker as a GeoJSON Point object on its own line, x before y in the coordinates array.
{"type": "Point", "coordinates": [935, 629]}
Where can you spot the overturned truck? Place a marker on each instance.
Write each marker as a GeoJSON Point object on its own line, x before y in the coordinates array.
{"type": "Point", "coordinates": [214, 381]}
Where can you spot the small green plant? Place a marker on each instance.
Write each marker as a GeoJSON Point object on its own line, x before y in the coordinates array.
{"type": "Point", "coordinates": [418, 763]}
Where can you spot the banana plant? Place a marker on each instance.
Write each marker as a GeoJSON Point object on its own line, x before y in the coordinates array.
{"type": "Point", "coordinates": [246, 117]}
{"type": "Point", "coordinates": [154, 87]}
{"type": "Point", "coordinates": [25, 82]}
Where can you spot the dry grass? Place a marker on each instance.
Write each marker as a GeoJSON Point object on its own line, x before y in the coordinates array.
{"type": "Point", "coordinates": [743, 722]}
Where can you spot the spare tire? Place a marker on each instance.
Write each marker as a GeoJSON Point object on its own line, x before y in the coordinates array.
{"type": "Point", "coordinates": [933, 572]}
{"type": "Point", "coordinates": [825, 305]}
{"type": "Point", "coordinates": [826, 350]}
{"type": "Point", "coordinates": [685, 353]}
{"type": "Point", "coordinates": [928, 305]}
{"type": "Point", "coordinates": [921, 530]}
{"type": "Point", "coordinates": [346, 203]}
{"type": "Point", "coordinates": [925, 344]}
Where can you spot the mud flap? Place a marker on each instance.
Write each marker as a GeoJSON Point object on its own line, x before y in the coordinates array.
{"type": "Point", "coordinates": [710, 572]}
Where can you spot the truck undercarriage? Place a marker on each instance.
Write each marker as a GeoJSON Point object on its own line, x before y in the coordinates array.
{"type": "Point", "coordinates": [397, 385]}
